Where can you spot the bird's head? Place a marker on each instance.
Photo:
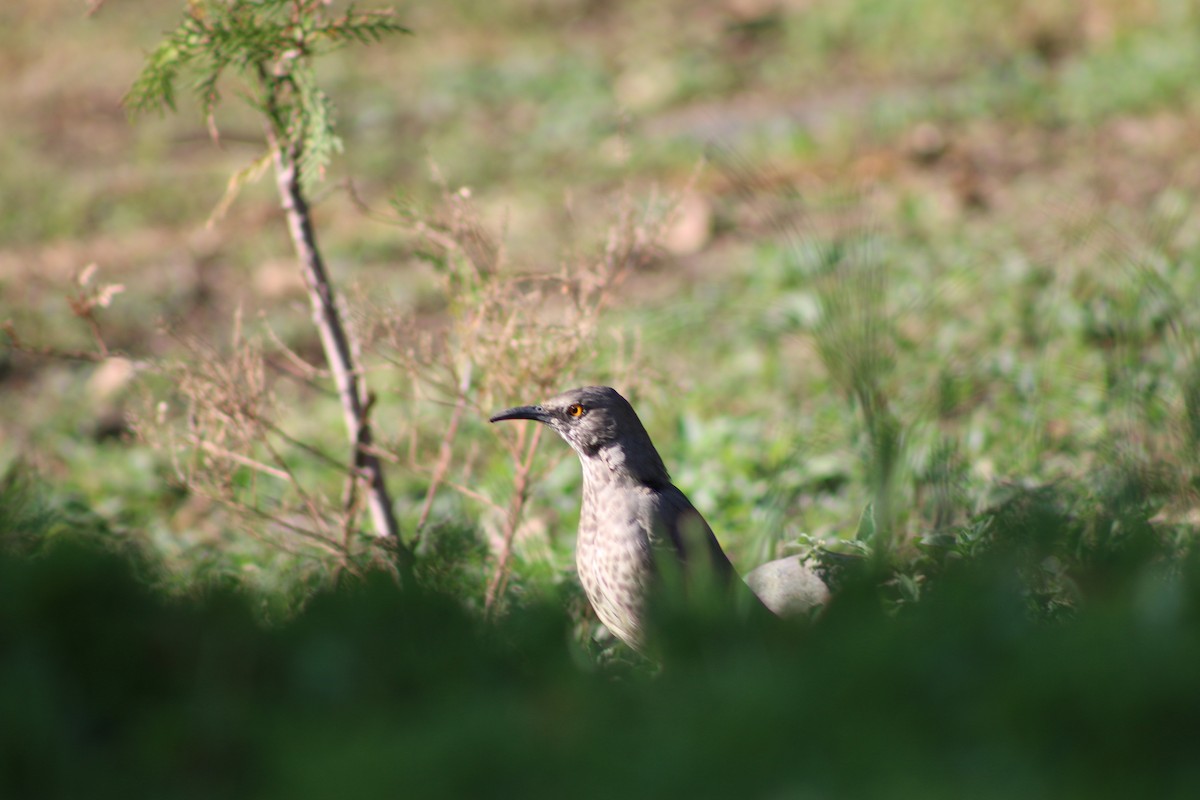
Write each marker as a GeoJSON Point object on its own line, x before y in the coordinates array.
{"type": "Point", "coordinates": [598, 422]}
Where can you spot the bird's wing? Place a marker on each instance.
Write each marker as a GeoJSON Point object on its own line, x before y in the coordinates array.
{"type": "Point", "coordinates": [686, 532]}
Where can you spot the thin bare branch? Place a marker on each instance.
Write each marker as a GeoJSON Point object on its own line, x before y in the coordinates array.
{"type": "Point", "coordinates": [221, 452]}
{"type": "Point", "coordinates": [521, 484]}
{"type": "Point", "coordinates": [338, 350]}
{"type": "Point", "coordinates": [445, 455]}
{"type": "Point", "coordinates": [479, 497]}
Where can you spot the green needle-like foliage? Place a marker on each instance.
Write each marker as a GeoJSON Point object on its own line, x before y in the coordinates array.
{"type": "Point", "coordinates": [270, 45]}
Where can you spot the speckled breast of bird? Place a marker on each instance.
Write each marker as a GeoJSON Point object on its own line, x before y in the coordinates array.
{"type": "Point", "coordinates": [614, 562]}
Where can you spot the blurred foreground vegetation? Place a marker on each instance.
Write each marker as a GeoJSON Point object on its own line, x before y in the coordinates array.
{"type": "Point", "coordinates": [110, 689]}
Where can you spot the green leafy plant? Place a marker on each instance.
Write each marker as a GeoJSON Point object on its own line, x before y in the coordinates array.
{"type": "Point", "coordinates": [270, 45]}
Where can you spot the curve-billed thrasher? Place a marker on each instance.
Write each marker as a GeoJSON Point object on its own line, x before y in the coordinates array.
{"type": "Point", "coordinates": [632, 515]}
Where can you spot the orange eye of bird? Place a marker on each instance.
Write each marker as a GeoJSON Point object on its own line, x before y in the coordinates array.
{"type": "Point", "coordinates": [575, 410]}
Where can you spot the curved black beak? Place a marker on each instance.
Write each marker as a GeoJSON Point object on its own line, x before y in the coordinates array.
{"type": "Point", "coordinates": [523, 412]}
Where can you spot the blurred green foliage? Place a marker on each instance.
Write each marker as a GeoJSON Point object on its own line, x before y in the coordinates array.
{"type": "Point", "coordinates": [109, 689]}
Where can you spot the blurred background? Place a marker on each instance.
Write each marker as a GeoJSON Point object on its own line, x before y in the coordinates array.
{"type": "Point", "coordinates": [1020, 175]}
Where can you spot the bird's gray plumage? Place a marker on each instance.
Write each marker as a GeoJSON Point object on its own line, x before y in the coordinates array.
{"type": "Point", "coordinates": [632, 515]}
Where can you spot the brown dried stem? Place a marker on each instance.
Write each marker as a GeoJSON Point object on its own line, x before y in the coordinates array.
{"type": "Point", "coordinates": [445, 454]}
{"type": "Point", "coordinates": [516, 507]}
